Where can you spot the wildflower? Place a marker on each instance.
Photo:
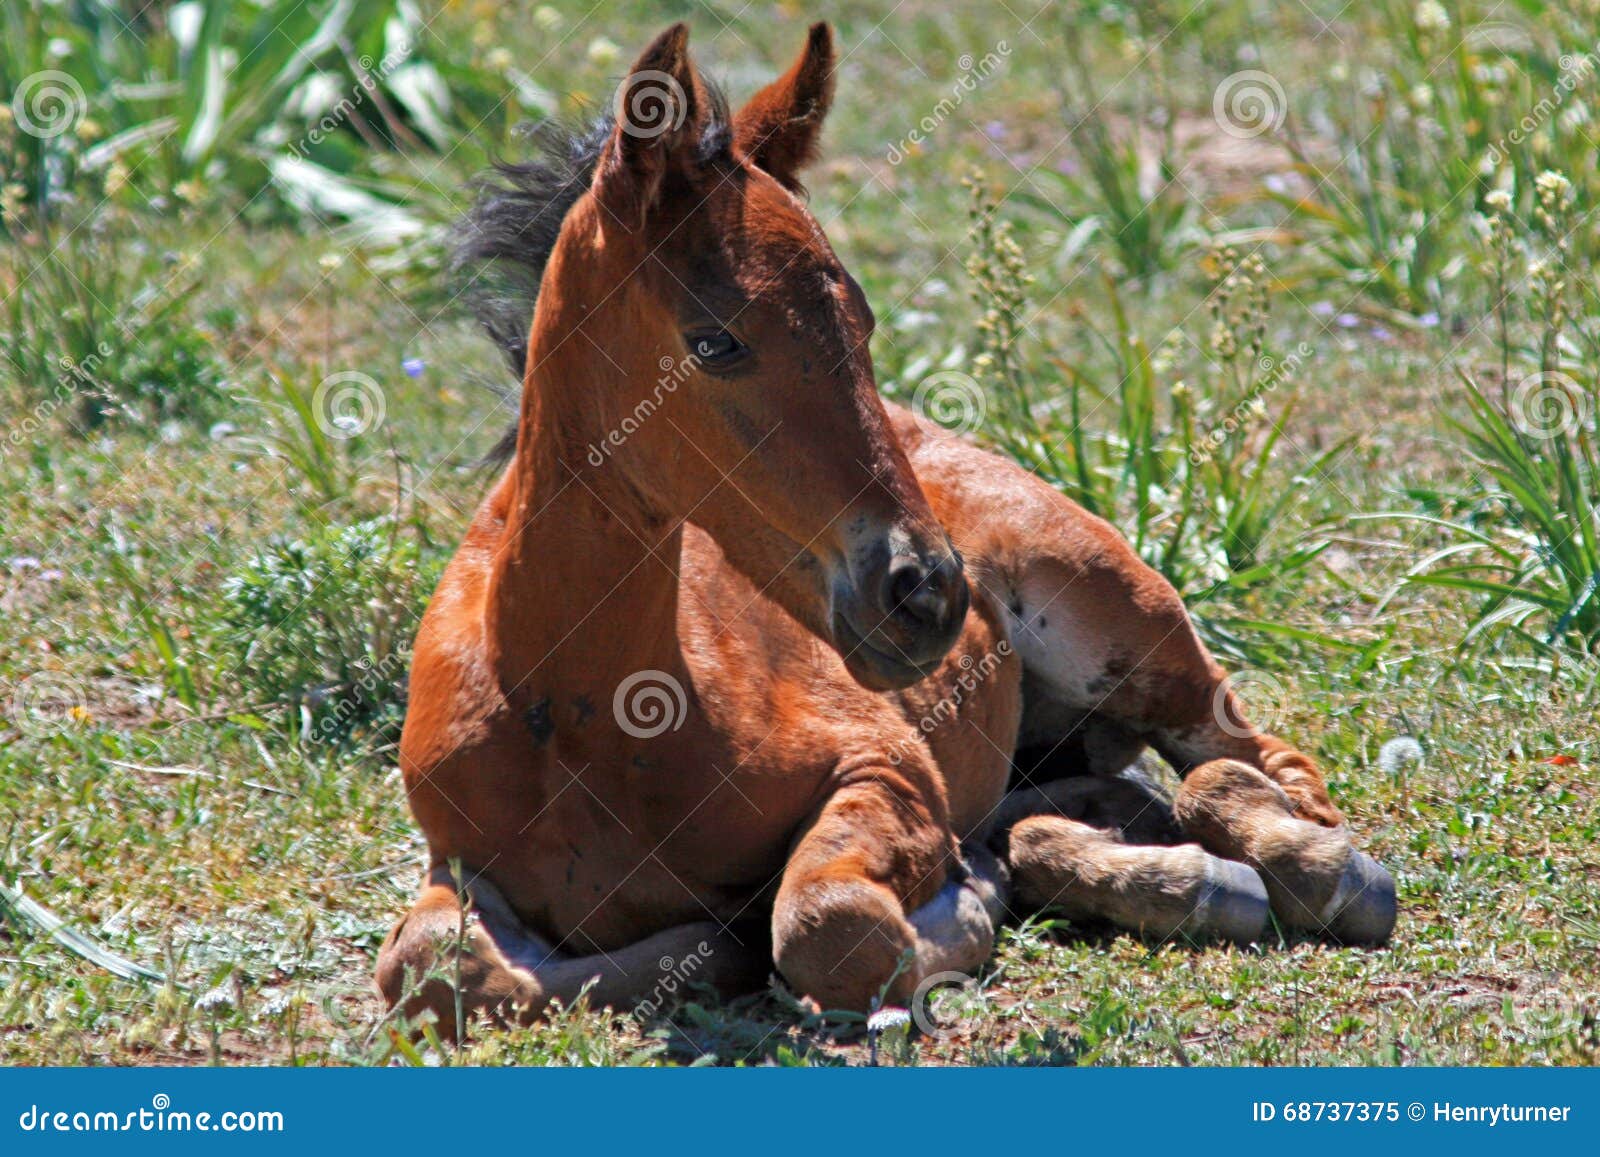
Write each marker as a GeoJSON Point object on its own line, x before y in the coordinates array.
{"type": "Point", "coordinates": [603, 52]}
{"type": "Point", "coordinates": [189, 191]}
{"type": "Point", "coordinates": [547, 18]}
{"type": "Point", "coordinates": [1430, 16]}
{"type": "Point", "coordinates": [1555, 191]}
{"type": "Point", "coordinates": [116, 178]}
{"type": "Point", "coordinates": [499, 59]}
{"type": "Point", "coordinates": [1223, 342]}
{"type": "Point", "coordinates": [331, 261]}
{"type": "Point", "coordinates": [218, 1000]}
{"type": "Point", "coordinates": [1499, 200]}
{"type": "Point", "coordinates": [413, 367]}
{"type": "Point", "coordinates": [13, 200]}
{"type": "Point", "coordinates": [1399, 753]}
{"type": "Point", "coordinates": [88, 130]}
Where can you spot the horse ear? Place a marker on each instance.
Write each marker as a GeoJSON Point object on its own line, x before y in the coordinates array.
{"type": "Point", "coordinates": [657, 114]}
{"type": "Point", "coordinates": [780, 127]}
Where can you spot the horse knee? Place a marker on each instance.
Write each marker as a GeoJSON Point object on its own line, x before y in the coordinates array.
{"type": "Point", "coordinates": [845, 943]}
{"type": "Point", "coordinates": [431, 953]}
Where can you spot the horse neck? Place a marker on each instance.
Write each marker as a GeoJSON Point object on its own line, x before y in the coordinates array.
{"type": "Point", "coordinates": [584, 587]}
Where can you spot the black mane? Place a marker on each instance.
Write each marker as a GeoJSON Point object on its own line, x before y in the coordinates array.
{"type": "Point", "coordinates": [500, 247]}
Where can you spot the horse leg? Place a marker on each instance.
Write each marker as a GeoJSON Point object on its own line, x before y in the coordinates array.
{"type": "Point", "coordinates": [508, 974]}
{"type": "Point", "coordinates": [1156, 680]}
{"type": "Point", "coordinates": [1108, 647]}
{"type": "Point", "coordinates": [1073, 849]}
{"type": "Point", "coordinates": [876, 895]}
{"type": "Point", "coordinates": [1318, 881]}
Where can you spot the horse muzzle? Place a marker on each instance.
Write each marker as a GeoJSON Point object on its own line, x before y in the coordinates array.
{"type": "Point", "coordinates": [895, 626]}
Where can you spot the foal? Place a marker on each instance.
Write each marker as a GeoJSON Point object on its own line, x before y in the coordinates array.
{"type": "Point", "coordinates": [669, 698]}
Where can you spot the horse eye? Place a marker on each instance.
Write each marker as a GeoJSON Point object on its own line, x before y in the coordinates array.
{"type": "Point", "coordinates": [716, 347]}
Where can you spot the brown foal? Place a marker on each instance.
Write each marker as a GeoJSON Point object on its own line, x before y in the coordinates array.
{"type": "Point", "coordinates": [670, 698]}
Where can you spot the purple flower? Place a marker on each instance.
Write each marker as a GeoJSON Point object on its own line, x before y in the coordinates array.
{"type": "Point", "coordinates": [1381, 333]}
{"type": "Point", "coordinates": [995, 131]}
{"type": "Point", "coordinates": [1429, 319]}
{"type": "Point", "coordinates": [1347, 321]}
{"type": "Point", "coordinates": [413, 367]}
{"type": "Point", "coordinates": [1322, 308]}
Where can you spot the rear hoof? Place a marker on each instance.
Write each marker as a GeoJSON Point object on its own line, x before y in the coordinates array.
{"type": "Point", "coordinates": [1363, 910]}
{"type": "Point", "coordinates": [1233, 905]}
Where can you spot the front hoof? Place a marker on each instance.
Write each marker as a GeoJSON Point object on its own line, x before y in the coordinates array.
{"type": "Point", "coordinates": [1234, 905]}
{"type": "Point", "coordinates": [1363, 910]}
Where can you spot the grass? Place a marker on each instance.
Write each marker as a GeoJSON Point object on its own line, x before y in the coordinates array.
{"type": "Point", "coordinates": [170, 786]}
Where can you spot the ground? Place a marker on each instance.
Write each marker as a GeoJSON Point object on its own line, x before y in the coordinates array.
{"type": "Point", "coordinates": [196, 760]}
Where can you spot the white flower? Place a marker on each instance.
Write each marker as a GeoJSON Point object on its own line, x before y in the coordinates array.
{"type": "Point", "coordinates": [1554, 189]}
{"type": "Point", "coordinates": [1431, 16]}
{"type": "Point", "coordinates": [603, 52]}
{"type": "Point", "coordinates": [1499, 200]}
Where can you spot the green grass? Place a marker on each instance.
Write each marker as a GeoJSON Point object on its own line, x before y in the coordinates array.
{"type": "Point", "coordinates": [168, 785]}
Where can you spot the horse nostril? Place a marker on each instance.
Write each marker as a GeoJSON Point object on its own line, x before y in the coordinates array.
{"type": "Point", "coordinates": [919, 596]}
